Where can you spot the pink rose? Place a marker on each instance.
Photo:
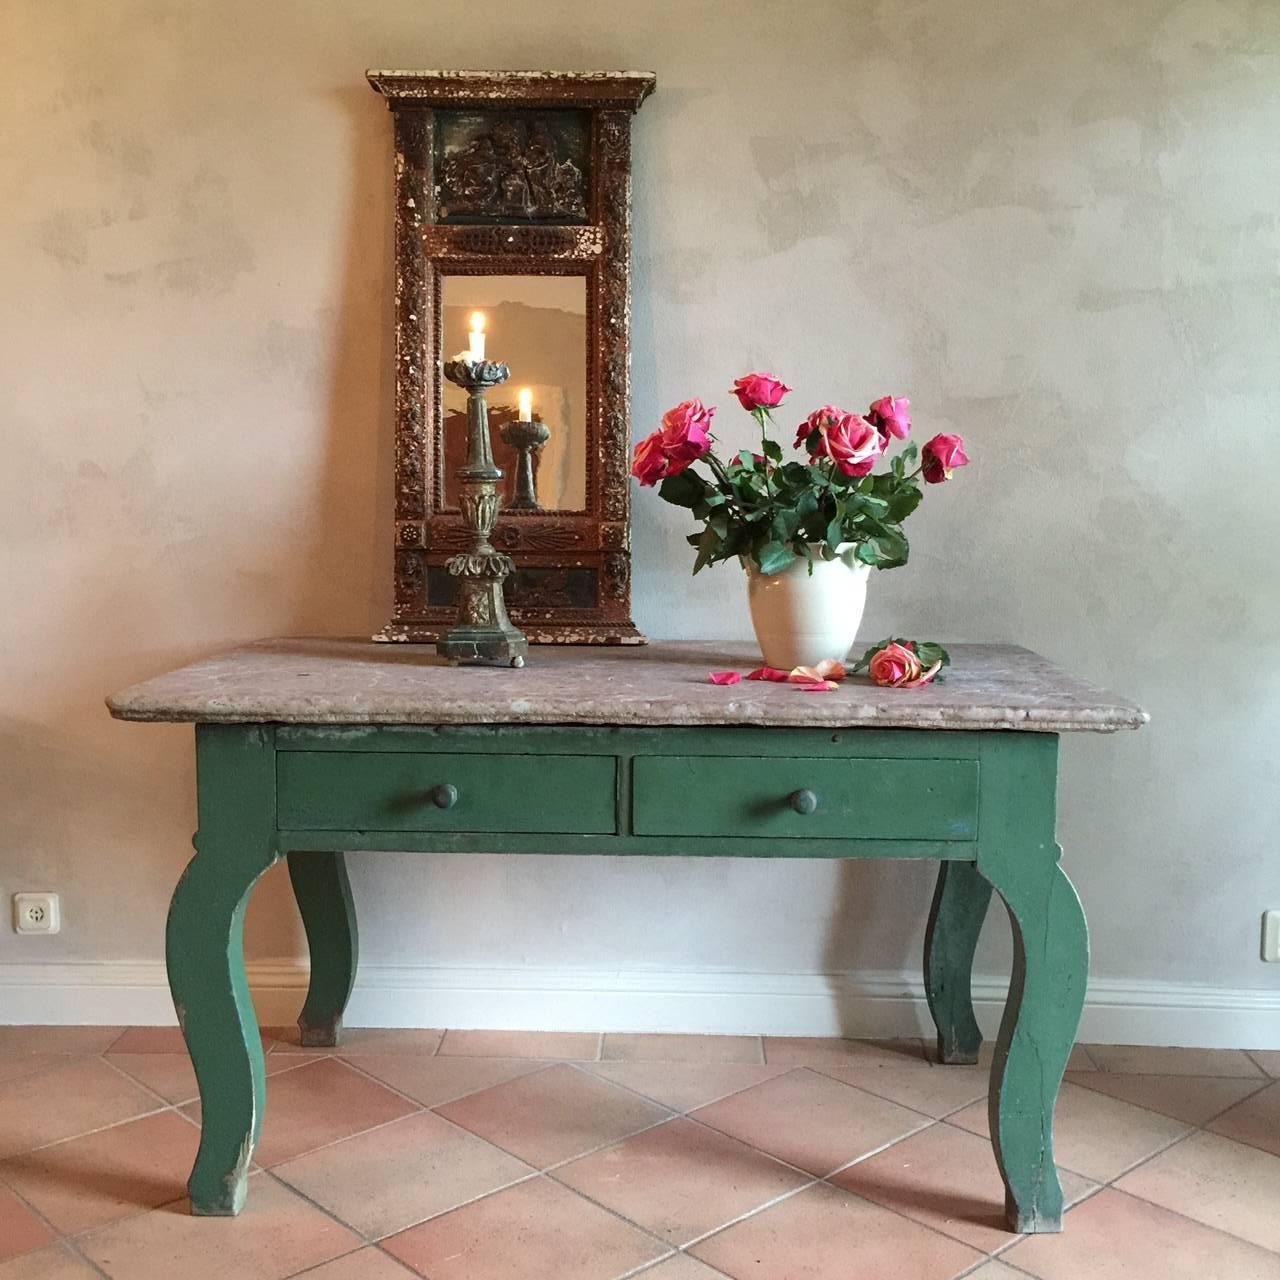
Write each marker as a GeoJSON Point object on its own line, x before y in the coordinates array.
{"type": "Point", "coordinates": [897, 666]}
{"type": "Point", "coordinates": [685, 434]}
{"type": "Point", "coordinates": [852, 443]}
{"type": "Point", "coordinates": [759, 391]}
{"type": "Point", "coordinates": [650, 462]}
{"type": "Point", "coordinates": [940, 457]}
{"type": "Point", "coordinates": [889, 416]}
{"type": "Point", "coordinates": [682, 439]}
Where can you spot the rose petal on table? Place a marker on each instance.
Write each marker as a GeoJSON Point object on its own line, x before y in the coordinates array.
{"type": "Point", "coordinates": [924, 678]}
{"type": "Point", "coordinates": [805, 675]}
{"type": "Point", "coordinates": [724, 677]}
{"type": "Point", "coordinates": [817, 686]}
{"type": "Point", "coordinates": [768, 673]}
{"type": "Point", "coordinates": [831, 669]}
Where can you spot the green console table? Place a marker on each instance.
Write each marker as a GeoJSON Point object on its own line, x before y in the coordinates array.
{"type": "Point", "coordinates": [307, 749]}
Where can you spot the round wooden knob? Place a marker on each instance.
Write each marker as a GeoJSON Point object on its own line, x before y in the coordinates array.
{"type": "Point", "coordinates": [804, 801]}
{"type": "Point", "coordinates": [445, 796]}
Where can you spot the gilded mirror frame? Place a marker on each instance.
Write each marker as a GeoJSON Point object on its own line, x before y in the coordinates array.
{"type": "Point", "coordinates": [573, 578]}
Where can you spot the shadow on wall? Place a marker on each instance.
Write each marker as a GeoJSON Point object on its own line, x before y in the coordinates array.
{"type": "Point", "coordinates": [346, 575]}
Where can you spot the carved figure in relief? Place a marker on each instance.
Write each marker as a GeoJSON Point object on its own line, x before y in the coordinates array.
{"type": "Point", "coordinates": [514, 170]}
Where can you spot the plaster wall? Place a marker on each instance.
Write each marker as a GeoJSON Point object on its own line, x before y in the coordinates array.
{"type": "Point", "coordinates": [1052, 223]}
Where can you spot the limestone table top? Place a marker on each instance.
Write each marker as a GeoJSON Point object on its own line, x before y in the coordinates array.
{"type": "Point", "coordinates": [347, 681]}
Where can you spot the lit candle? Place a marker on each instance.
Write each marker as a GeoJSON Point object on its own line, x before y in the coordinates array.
{"type": "Point", "coordinates": [526, 405]}
{"type": "Point", "coordinates": [476, 338]}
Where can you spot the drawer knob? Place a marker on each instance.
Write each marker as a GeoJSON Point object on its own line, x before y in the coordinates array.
{"type": "Point", "coordinates": [445, 796]}
{"type": "Point", "coordinates": [803, 801]}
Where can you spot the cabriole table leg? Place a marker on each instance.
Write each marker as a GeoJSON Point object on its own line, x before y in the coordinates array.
{"type": "Point", "coordinates": [323, 894]}
{"type": "Point", "coordinates": [204, 948]}
{"type": "Point", "coordinates": [960, 904]}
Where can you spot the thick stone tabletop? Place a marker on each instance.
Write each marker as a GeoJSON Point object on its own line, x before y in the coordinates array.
{"type": "Point", "coordinates": [340, 681]}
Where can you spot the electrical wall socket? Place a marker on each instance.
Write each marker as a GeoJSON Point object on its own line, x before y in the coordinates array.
{"type": "Point", "coordinates": [36, 913]}
{"type": "Point", "coordinates": [1271, 936]}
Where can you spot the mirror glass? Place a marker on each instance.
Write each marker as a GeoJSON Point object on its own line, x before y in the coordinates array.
{"type": "Point", "coordinates": [537, 326]}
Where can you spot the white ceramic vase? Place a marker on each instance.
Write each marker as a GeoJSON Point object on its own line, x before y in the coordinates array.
{"type": "Point", "coordinates": [801, 617]}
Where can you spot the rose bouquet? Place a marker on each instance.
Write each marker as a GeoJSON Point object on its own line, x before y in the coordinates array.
{"type": "Point", "coordinates": [771, 512]}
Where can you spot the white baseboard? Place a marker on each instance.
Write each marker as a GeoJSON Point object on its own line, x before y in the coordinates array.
{"type": "Point", "coordinates": [707, 1001]}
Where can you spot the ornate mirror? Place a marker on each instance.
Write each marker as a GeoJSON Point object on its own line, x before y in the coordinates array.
{"type": "Point", "coordinates": [513, 196]}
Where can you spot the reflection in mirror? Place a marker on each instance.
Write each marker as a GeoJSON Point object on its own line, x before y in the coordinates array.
{"type": "Point", "coordinates": [537, 326]}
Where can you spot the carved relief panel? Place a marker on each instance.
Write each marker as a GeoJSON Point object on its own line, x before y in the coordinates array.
{"type": "Point", "coordinates": [513, 203]}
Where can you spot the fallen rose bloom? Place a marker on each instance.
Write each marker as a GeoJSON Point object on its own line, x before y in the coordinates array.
{"type": "Point", "coordinates": [769, 673]}
{"type": "Point", "coordinates": [893, 666]}
{"type": "Point", "coordinates": [925, 677]}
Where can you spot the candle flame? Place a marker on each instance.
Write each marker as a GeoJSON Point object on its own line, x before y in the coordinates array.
{"type": "Point", "coordinates": [526, 403]}
{"type": "Point", "coordinates": [477, 322]}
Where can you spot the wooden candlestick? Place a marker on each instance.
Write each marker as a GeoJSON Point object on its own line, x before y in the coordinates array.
{"type": "Point", "coordinates": [483, 631]}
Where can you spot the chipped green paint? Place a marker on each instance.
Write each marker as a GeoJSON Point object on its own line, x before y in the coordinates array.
{"type": "Point", "coordinates": [982, 802]}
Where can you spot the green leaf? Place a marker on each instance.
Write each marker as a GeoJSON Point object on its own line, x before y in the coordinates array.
{"type": "Point", "coordinates": [773, 557]}
{"type": "Point", "coordinates": [772, 450]}
{"type": "Point", "coordinates": [684, 490]}
{"type": "Point", "coordinates": [708, 546]}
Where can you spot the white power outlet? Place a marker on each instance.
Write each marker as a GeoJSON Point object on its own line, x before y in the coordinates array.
{"type": "Point", "coordinates": [36, 913]}
{"type": "Point", "coordinates": [1271, 935]}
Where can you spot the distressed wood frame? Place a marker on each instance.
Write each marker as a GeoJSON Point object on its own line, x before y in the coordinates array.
{"type": "Point", "coordinates": [426, 534]}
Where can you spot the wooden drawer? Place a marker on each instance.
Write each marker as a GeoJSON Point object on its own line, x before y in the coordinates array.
{"type": "Point", "coordinates": [426, 791]}
{"type": "Point", "coordinates": [869, 799]}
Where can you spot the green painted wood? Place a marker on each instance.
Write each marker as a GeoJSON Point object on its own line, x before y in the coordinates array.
{"type": "Point", "coordinates": [438, 791]}
{"type": "Point", "coordinates": [804, 798]}
{"type": "Point", "coordinates": [960, 904]}
{"type": "Point", "coordinates": [1018, 856]}
{"type": "Point", "coordinates": [567, 844]}
{"type": "Point", "coordinates": [323, 893]}
{"type": "Point", "coordinates": [204, 948]}
{"type": "Point", "coordinates": [582, 740]}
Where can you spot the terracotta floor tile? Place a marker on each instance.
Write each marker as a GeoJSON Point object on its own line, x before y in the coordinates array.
{"type": "Point", "coordinates": [318, 1104]}
{"type": "Point", "coordinates": [13, 1065]}
{"type": "Point", "coordinates": [1217, 1182]}
{"type": "Point", "coordinates": [1195, 1100]}
{"type": "Point", "coordinates": [652, 1048]}
{"type": "Point", "coordinates": [1267, 1059]}
{"type": "Point", "coordinates": [680, 1267]}
{"type": "Point", "coordinates": [946, 1179]}
{"type": "Point", "coordinates": [400, 1174]}
{"type": "Point", "coordinates": [680, 1180]}
{"type": "Point", "coordinates": [65, 1101]}
{"type": "Point", "coordinates": [278, 1234]}
{"type": "Point", "coordinates": [20, 1230]}
{"type": "Point", "coordinates": [364, 1264]}
{"type": "Point", "coordinates": [820, 1052]}
{"type": "Point", "coordinates": [434, 1081]}
{"type": "Point", "coordinates": [1149, 1061]}
{"type": "Point", "coordinates": [365, 1040]}
{"type": "Point", "coordinates": [685, 1085]}
{"type": "Point", "coordinates": [160, 1040]}
{"type": "Point", "coordinates": [810, 1120]}
{"type": "Point", "coordinates": [566, 1045]}
{"type": "Point", "coordinates": [1256, 1121]}
{"type": "Point", "coordinates": [172, 1076]}
{"type": "Point", "coordinates": [535, 1229]}
{"type": "Point", "coordinates": [90, 1181]}
{"type": "Point", "coordinates": [1115, 1237]}
{"type": "Point", "coordinates": [53, 1263]}
{"type": "Point", "coordinates": [995, 1271]}
{"type": "Point", "coordinates": [826, 1234]}
{"type": "Point", "coordinates": [923, 1086]}
{"type": "Point", "coordinates": [57, 1039]}
{"type": "Point", "coordinates": [553, 1115]}
{"type": "Point", "coordinates": [1095, 1136]}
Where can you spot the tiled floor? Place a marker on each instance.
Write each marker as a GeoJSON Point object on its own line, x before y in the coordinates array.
{"type": "Point", "coordinates": [478, 1155]}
